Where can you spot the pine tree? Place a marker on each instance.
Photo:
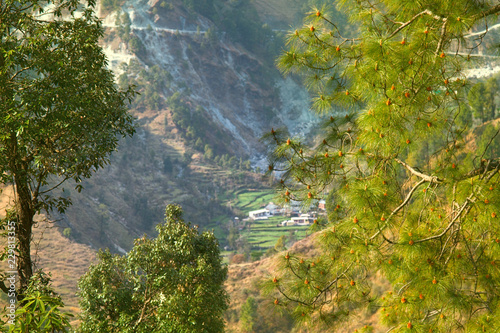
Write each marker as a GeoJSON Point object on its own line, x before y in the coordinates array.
{"type": "Point", "coordinates": [248, 314]}
{"type": "Point", "coordinates": [411, 201]}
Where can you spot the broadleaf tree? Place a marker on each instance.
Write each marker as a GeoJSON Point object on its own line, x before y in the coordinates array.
{"type": "Point", "coordinates": [413, 200]}
{"type": "Point", "coordinates": [41, 308]}
{"type": "Point", "coordinates": [61, 114]}
{"type": "Point", "coordinates": [171, 283]}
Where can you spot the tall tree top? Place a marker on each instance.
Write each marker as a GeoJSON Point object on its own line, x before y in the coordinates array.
{"type": "Point", "coordinates": [410, 200]}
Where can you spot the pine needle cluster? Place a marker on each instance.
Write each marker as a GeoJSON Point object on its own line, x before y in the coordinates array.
{"type": "Point", "coordinates": [428, 223]}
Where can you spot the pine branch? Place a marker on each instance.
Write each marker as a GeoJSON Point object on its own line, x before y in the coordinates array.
{"type": "Point", "coordinates": [403, 288]}
{"type": "Point", "coordinates": [441, 39]}
{"type": "Point", "coordinates": [395, 211]}
{"type": "Point", "coordinates": [464, 206]}
{"type": "Point", "coordinates": [430, 314]}
{"type": "Point", "coordinates": [407, 197]}
{"type": "Point", "coordinates": [486, 165]}
{"type": "Point", "coordinates": [493, 173]}
{"type": "Point", "coordinates": [427, 178]}
{"type": "Point", "coordinates": [321, 292]}
{"type": "Point", "coordinates": [292, 299]}
{"type": "Point", "coordinates": [338, 31]}
{"type": "Point", "coordinates": [446, 243]}
{"type": "Point", "coordinates": [404, 25]}
{"type": "Point", "coordinates": [333, 282]}
{"type": "Point", "coordinates": [491, 11]}
{"type": "Point", "coordinates": [489, 143]}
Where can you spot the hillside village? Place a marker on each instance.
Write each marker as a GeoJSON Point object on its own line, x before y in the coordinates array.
{"type": "Point", "coordinates": [297, 216]}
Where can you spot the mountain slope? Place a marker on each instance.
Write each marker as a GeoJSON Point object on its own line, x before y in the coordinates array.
{"type": "Point", "coordinates": [208, 91]}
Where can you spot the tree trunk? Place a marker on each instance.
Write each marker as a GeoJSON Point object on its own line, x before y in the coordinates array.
{"type": "Point", "coordinates": [24, 213]}
{"type": "Point", "coordinates": [24, 225]}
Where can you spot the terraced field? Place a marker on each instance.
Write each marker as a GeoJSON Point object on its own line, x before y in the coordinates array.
{"type": "Point", "coordinates": [263, 234]}
{"type": "Point", "coordinates": [247, 201]}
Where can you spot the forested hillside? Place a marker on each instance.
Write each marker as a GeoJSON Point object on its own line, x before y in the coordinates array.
{"type": "Point", "coordinates": [215, 122]}
{"type": "Point", "coordinates": [208, 91]}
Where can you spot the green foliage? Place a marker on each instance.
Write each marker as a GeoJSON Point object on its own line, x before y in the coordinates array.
{"type": "Point", "coordinates": [489, 141]}
{"type": "Point", "coordinates": [67, 232]}
{"type": "Point", "coordinates": [191, 124]}
{"type": "Point", "coordinates": [240, 21]}
{"type": "Point", "coordinates": [482, 99]}
{"type": "Point", "coordinates": [168, 166]}
{"type": "Point", "coordinates": [204, 7]}
{"type": "Point", "coordinates": [231, 162]}
{"type": "Point", "coordinates": [209, 153]}
{"type": "Point", "coordinates": [150, 82]}
{"type": "Point", "coordinates": [232, 237]}
{"type": "Point", "coordinates": [40, 309]}
{"type": "Point", "coordinates": [258, 316]}
{"type": "Point", "coordinates": [195, 127]}
{"type": "Point", "coordinates": [211, 35]}
{"type": "Point", "coordinates": [103, 217]}
{"type": "Point", "coordinates": [56, 95]}
{"type": "Point", "coordinates": [248, 315]}
{"type": "Point", "coordinates": [136, 45]}
{"type": "Point", "coordinates": [336, 15]}
{"type": "Point", "coordinates": [123, 22]}
{"type": "Point", "coordinates": [61, 114]}
{"type": "Point", "coordinates": [411, 202]}
{"type": "Point", "coordinates": [111, 5]}
{"type": "Point", "coordinates": [256, 255]}
{"type": "Point", "coordinates": [164, 4]}
{"type": "Point", "coordinates": [172, 283]}
{"type": "Point", "coordinates": [280, 244]}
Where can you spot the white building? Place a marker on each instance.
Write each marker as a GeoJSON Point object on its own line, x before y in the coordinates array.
{"type": "Point", "coordinates": [260, 214]}
{"type": "Point", "coordinates": [303, 219]}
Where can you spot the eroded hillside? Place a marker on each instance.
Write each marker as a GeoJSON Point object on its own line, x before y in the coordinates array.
{"type": "Point", "coordinates": [208, 91]}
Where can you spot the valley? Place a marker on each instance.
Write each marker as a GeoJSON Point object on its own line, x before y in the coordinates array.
{"type": "Point", "coordinates": [204, 102]}
{"type": "Point", "coordinates": [208, 91]}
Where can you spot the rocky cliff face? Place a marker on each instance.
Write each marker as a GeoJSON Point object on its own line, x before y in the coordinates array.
{"type": "Point", "coordinates": [205, 97]}
{"type": "Point", "coordinates": [240, 92]}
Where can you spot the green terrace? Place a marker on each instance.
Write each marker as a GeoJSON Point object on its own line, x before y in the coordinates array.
{"type": "Point", "coordinates": [263, 234]}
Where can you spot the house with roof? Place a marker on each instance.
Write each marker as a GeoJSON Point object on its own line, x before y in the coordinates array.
{"type": "Point", "coordinates": [273, 209]}
{"type": "Point", "coordinates": [260, 214]}
{"type": "Point", "coordinates": [322, 205]}
{"type": "Point", "coordinates": [302, 219]}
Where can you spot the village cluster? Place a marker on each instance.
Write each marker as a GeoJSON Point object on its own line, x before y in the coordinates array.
{"type": "Point", "coordinates": [297, 215]}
